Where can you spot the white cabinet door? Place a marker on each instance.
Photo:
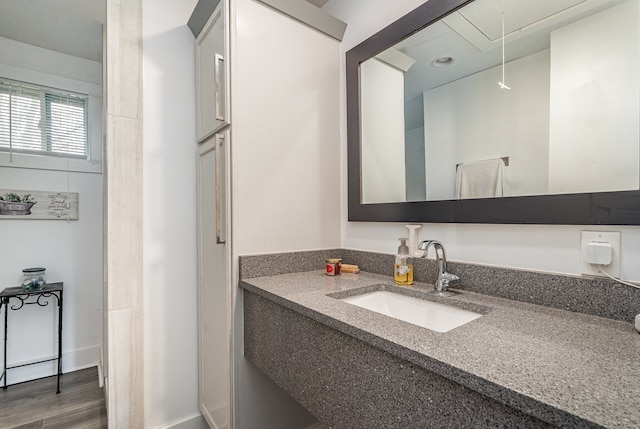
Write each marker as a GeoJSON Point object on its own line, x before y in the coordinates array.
{"type": "Point", "coordinates": [212, 89]}
{"type": "Point", "coordinates": [214, 291]}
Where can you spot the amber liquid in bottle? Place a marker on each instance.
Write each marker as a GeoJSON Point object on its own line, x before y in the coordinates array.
{"type": "Point", "coordinates": [403, 273]}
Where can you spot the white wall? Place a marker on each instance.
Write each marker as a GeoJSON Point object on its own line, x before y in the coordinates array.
{"type": "Point", "coordinates": [383, 148]}
{"type": "Point", "coordinates": [285, 139]}
{"type": "Point", "coordinates": [285, 147]}
{"type": "Point", "coordinates": [36, 60]}
{"type": "Point", "coordinates": [70, 251]}
{"type": "Point", "coordinates": [595, 101]}
{"type": "Point", "coordinates": [536, 247]}
{"type": "Point", "coordinates": [472, 119]}
{"type": "Point", "coordinates": [169, 220]}
{"type": "Point", "coordinates": [414, 159]}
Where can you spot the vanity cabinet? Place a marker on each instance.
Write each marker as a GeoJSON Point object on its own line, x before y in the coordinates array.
{"type": "Point", "coordinates": [213, 184]}
{"type": "Point", "coordinates": [519, 365]}
{"type": "Point", "coordinates": [348, 383]}
{"type": "Point", "coordinates": [212, 71]}
{"type": "Point", "coordinates": [214, 294]}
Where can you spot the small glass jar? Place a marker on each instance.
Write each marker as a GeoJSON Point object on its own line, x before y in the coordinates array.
{"type": "Point", "coordinates": [333, 266]}
{"type": "Point", "coordinates": [33, 278]}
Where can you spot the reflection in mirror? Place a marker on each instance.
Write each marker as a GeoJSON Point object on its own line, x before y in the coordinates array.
{"type": "Point", "coordinates": [436, 124]}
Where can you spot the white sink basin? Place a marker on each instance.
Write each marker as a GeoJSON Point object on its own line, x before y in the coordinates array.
{"type": "Point", "coordinates": [430, 315]}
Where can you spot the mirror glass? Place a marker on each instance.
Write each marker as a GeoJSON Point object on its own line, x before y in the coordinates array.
{"type": "Point", "coordinates": [505, 98]}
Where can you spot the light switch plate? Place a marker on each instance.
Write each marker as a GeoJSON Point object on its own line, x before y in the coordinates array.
{"type": "Point", "coordinates": [612, 238]}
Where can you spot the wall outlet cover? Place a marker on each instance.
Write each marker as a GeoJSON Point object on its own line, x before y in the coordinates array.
{"type": "Point", "coordinates": [599, 252]}
{"type": "Point", "coordinates": [614, 239]}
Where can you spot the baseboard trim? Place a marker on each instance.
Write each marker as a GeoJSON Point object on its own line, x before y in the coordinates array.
{"type": "Point", "coordinates": [72, 360]}
{"type": "Point", "coordinates": [193, 422]}
{"type": "Point", "coordinates": [100, 376]}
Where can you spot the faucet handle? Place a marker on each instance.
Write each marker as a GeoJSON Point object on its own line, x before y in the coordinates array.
{"type": "Point", "coordinates": [447, 279]}
{"type": "Point", "coordinates": [450, 277]}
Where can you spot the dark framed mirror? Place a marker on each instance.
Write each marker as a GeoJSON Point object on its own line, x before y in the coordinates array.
{"type": "Point", "coordinates": [496, 44]}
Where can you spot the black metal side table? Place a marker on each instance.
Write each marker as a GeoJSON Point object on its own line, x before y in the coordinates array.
{"type": "Point", "coordinates": [40, 297]}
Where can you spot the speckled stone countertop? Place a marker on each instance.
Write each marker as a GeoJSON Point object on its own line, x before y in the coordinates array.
{"type": "Point", "coordinates": [566, 368]}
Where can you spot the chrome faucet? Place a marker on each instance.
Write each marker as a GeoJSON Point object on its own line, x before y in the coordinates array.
{"type": "Point", "coordinates": [444, 278]}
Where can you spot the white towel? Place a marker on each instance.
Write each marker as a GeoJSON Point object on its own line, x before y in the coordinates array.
{"type": "Point", "coordinates": [481, 179]}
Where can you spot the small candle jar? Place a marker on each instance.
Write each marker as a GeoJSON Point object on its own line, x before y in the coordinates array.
{"type": "Point", "coordinates": [33, 278]}
{"type": "Point", "coordinates": [333, 266]}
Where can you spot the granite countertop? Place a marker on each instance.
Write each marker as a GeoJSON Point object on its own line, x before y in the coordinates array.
{"type": "Point", "coordinates": [569, 369]}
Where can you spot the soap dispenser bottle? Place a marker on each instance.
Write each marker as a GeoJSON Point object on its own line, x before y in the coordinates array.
{"type": "Point", "coordinates": [403, 269]}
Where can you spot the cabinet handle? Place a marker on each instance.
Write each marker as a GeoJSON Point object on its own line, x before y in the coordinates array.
{"type": "Point", "coordinates": [217, 82]}
{"type": "Point", "coordinates": [219, 189]}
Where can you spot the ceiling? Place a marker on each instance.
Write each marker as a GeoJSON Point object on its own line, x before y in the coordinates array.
{"type": "Point", "coordinates": [73, 27]}
{"type": "Point", "coordinates": [472, 36]}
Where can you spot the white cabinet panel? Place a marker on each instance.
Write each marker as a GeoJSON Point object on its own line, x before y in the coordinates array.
{"type": "Point", "coordinates": [213, 286]}
{"type": "Point", "coordinates": [303, 83]}
{"type": "Point", "coordinates": [211, 75]}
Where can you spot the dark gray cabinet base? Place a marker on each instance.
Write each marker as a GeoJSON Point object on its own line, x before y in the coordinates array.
{"type": "Point", "coordinates": [347, 383]}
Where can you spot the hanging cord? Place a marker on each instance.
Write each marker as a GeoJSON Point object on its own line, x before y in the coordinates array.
{"type": "Point", "coordinates": [10, 123]}
{"type": "Point", "coordinates": [615, 279]}
{"type": "Point", "coordinates": [67, 206]}
{"type": "Point", "coordinates": [66, 199]}
{"type": "Point", "coordinates": [502, 84]}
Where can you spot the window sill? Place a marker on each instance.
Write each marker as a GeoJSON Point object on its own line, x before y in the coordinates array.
{"type": "Point", "coordinates": [50, 163]}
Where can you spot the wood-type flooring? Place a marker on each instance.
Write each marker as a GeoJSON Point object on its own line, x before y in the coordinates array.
{"type": "Point", "coordinates": [35, 404]}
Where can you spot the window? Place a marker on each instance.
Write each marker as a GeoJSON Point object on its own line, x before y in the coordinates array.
{"type": "Point", "coordinates": [42, 121]}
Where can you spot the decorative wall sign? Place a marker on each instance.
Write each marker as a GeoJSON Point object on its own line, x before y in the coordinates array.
{"type": "Point", "coordinates": [18, 204]}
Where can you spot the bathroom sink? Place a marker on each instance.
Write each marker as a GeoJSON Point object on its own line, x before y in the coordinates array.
{"type": "Point", "coordinates": [431, 315]}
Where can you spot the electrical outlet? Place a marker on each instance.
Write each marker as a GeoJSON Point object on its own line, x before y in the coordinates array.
{"type": "Point", "coordinates": [613, 238]}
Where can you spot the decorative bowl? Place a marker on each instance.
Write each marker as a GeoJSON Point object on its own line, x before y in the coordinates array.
{"type": "Point", "coordinates": [11, 208]}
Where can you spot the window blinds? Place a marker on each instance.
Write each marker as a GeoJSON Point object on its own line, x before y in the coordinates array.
{"type": "Point", "coordinates": [43, 121]}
